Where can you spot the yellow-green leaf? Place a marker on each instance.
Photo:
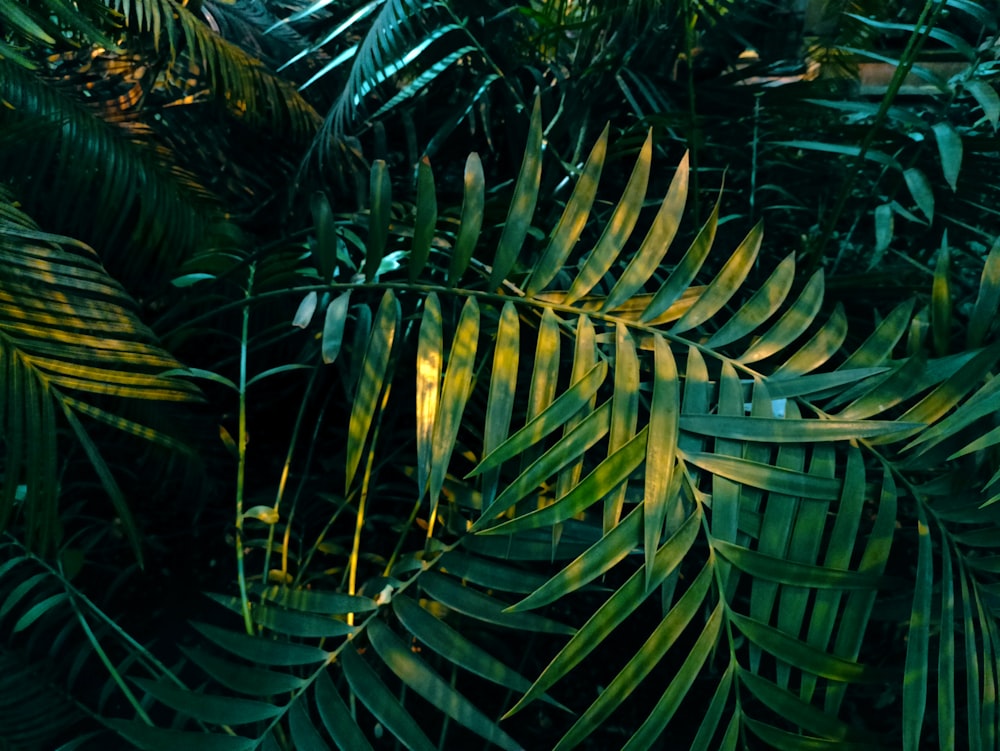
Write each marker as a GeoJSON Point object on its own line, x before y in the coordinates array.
{"type": "Point", "coordinates": [522, 205]}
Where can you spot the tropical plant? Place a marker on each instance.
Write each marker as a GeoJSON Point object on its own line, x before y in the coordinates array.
{"type": "Point", "coordinates": [577, 446]}
{"type": "Point", "coordinates": [552, 474]}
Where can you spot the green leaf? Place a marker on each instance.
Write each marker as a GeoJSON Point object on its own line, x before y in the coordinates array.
{"type": "Point", "coordinates": [337, 718]}
{"type": "Point", "coordinates": [594, 487]}
{"type": "Point", "coordinates": [616, 609]}
{"type": "Point", "coordinates": [260, 649]}
{"type": "Point", "coordinates": [425, 221]}
{"type": "Point", "coordinates": [680, 684]}
{"type": "Point", "coordinates": [522, 205]}
{"type": "Point", "coordinates": [798, 654]}
{"type": "Point", "coordinates": [791, 708]}
{"type": "Point", "coordinates": [823, 345]}
{"type": "Point", "coordinates": [871, 155]}
{"type": "Point", "coordinates": [554, 416]}
{"type": "Point", "coordinates": [784, 430]}
{"type": "Point", "coordinates": [471, 220]}
{"type": "Point", "coordinates": [374, 694]}
{"type": "Point", "coordinates": [158, 739]}
{"type": "Point", "coordinates": [564, 452]}
{"type": "Point", "coordinates": [949, 144]}
{"type": "Point", "coordinates": [483, 607]}
{"type": "Point", "coordinates": [785, 571]}
{"type": "Point", "coordinates": [572, 221]}
{"type": "Point", "coordinates": [652, 651]}
{"type": "Point", "coordinates": [920, 188]}
{"type": "Point", "coordinates": [988, 299]}
{"type": "Point", "coordinates": [661, 446]}
{"type": "Point", "coordinates": [986, 96]}
{"type": "Point", "coordinates": [454, 647]}
{"type": "Point", "coordinates": [490, 573]}
{"type": "Point", "coordinates": [305, 312]}
{"type": "Point", "coordinates": [782, 740]}
{"type": "Point", "coordinates": [941, 301]}
{"type": "Point", "coordinates": [614, 546]}
{"type": "Point", "coordinates": [947, 719]}
{"type": "Point", "coordinates": [380, 200]}
{"type": "Point", "coordinates": [618, 228]}
{"type": "Point", "coordinates": [761, 305]}
{"type": "Point", "coordinates": [295, 623]}
{"type": "Point", "coordinates": [376, 362]}
{"type": "Point", "coordinates": [221, 710]}
{"type": "Point", "coordinates": [916, 670]}
{"type": "Point", "coordinates": [243, 678]}
{"type": "Point", "coordinates": [325, 249]}
{"type": "Point", "coordinates": [318, 601]}
{"type": "Point", "coordinates": [884, 229]}
{"type": "Point", "coordinates": [304, 734]}
{"type": "Point", "coordinates": [415, 673]}
{"type": "Point", "coordinates": [37, 610]}
{"type": "Point", "coordinates": [430, 362]}
{"type": "Point", "coordinates": [657, 241]}
{"type": "Point", "coordinates": [503, 390]}
{"type": "Point", "coordinates": [684, 273]}
{"type": "Point", "coordinates": [458, 381]}
{"type": "Point", "coordinates": [766, 477]}
{"type": "Point", "coordinates": [713, 713]}
{"type": "Point", "coordinates": [726, 283]}
{"type": "Point", "coordinates": [877, 348]}
{"type": "Point", "coordinates": [792, 324]}
{"type": "Point", "coordinates": [624, 413]}
{"type": "Point", "coordinates": [333, 327]}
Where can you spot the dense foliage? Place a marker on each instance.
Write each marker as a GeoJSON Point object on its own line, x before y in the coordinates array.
{"type": "Point", "coordinates": [551, 375]}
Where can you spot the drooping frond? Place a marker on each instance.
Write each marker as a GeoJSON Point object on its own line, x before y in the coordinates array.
{"type": "Point", "coordinates": [117, 186]}
{"type": "Point", "coordinates": [246, 87]}
{"type": "Point", "coordinates": [71, 347]}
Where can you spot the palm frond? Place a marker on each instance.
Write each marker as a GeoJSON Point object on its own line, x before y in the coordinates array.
{"type": "Point", "coordinates": [150, 213]}
{"type": "Point", "coordinates": [70, 342]}
{"type": "Point", "coordinates": [245, 86]}
{"type": "Point", "coordinates": [711, 467]}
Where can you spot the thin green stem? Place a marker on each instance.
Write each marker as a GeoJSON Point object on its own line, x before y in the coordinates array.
{"type": "Point", "coordinates": [921, 32]}
{"type": "Point", "coordinates": [283, 482]}
{"type": "Point", "coordinates": [242, 464]}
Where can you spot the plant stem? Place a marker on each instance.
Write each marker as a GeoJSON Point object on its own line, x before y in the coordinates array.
{"type": "Point", "coordinates": [922, 29]}
{"type": "Point", "coordinates": [242, 446]}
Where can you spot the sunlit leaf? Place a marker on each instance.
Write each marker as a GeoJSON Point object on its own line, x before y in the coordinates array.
{"type": "Point", "coordinates": [376, 362]}
{"type": "Point", "coordinates": [661, 446]}
{"type": "Point", "coordinates": [430, 362]}
{"type": "Point", "coordinates": [522, 205]}
{"type": "Point", "coordinates": [572, 221]}
{"type": "Point", "coordinates": [657, 241]}
{"type": "Point", "coordinates": [618, 228]}
{"type": "Point", "coordinates": [458, 381]}
{"type": "Point", "coordinates": [725, 284]}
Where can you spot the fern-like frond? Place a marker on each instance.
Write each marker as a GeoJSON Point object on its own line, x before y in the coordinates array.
{"type": "Point", "coordinates": [70, 342]}
{"type": "Point", "coordinates": [118, 189]}
{"type": "Point", "coordinates": [245, 86]}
